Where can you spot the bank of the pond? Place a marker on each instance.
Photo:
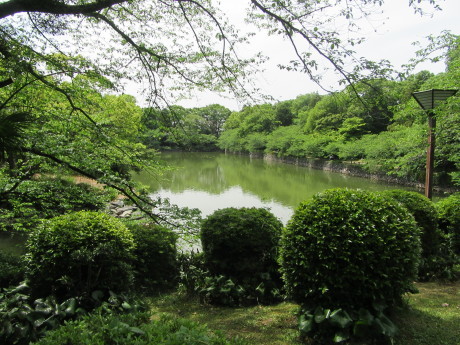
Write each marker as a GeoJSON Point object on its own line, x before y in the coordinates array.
{"type": "Point", "coordinates": [346, 168]}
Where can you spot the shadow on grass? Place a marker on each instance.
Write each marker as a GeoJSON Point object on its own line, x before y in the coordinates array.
{"type": "Point", "coordinates": [275, 324]}
{"type": "Point", "coordinates": [432, 316]}
{"type": "Point", "coordinates": [420, 328]}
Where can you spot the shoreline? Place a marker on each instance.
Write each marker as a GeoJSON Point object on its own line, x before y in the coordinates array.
{"type": "Point", "coordinates": [345, 168]}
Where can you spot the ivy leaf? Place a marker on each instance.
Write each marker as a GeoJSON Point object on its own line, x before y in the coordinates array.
{"type": "Point", "coordinates": [385, 326]}
{"type": "Point", "coordinates": [306, 323]}
{"type": "Point", "coordinates": [340, 318]}
{"type": "Point", "coordinates": [341, 336]}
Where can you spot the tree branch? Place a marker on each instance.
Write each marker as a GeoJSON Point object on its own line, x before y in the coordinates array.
{"type": "Point", "coordinates": [53, 7]}
{"type": "Point", "coordinates": [131, 195]}
{"type": "Point", "coordinates": [6, 82]}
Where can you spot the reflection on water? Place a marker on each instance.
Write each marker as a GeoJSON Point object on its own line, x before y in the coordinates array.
{"type": "Point", "coordinates": [12, 243]}
{"type": "Point", "coordinates": [210, 181]}
{"type": "Point", "coordinates": [232, 197]}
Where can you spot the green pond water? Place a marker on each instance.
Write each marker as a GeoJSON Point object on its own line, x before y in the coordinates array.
{"type": "Point", "coordinates": [210, 181]}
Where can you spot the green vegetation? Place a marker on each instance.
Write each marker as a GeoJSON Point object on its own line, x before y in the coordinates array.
{"type": "Point", "coordinates": [135, 329]}
{"type": "Point", "coordinates": [374, 122]}
{"type": "Point", "coordinates": [349, 249]}
{"type": "Point", "coordinates": [63, 115]}
{"type": "Point", "coordinates": [438, 257]}
{"type": "Point", "coordinates": [155, 257]}
{"type": "Point", "coordinates": [449, 219]}
{"type": "Point", "coordinates": [345, 257]}
{"type": "Point", "coordinates": [240, 243]}
{"type": "Point", "coordinates": [240, 249]}
{"type": "Point", "coordinates": [428, 317]}
{"type": "Point", "coordinates": [11, 269]}
{"type": "Point", "coordinates": [78, 253]}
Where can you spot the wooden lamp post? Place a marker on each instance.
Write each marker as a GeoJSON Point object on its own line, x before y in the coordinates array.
{"type": "Point", "coordinates": [428, 100]}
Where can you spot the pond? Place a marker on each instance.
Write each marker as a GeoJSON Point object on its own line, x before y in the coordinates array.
{"type": "Point", "coordinates": [210, 181]}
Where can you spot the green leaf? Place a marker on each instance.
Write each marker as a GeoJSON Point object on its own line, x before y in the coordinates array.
{"type": "Point", "coordinates": [306, 323]}
{"type": "Point", "coordinates": [126, 305]}
{"type": "Point", "coordinates": [136, 330]}
{"type": "Point", "coordinates": [341, 336]}
{"type": "Point", "coordinates": [321, 314]}
{"type": "Point", "coordinates": [340, 318]}
{"type": "Point", "coordinates": [385, 326]}
{"type": "Point", "coordinates": [71, 305]}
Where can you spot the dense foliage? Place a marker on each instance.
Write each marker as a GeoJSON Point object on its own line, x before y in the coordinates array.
{"type": "Point", "coordinates": [240, 248]}
{"type": "Point", "coordinates": [349, 249]}
{"type": "Point", "coordinates": [345, 256]}
{"type": "Point", "coordinates": [241, 243]}
{"type": "Point", "coordinates": [375, 122]}
{"type": "Point", "coordinates": [25, 319]}
{"type": "Point", "coordinates": [42, 198]}
{"type": "Point", "coordinates": [184, 129]}
{"type": "Point", "coordinates": [438, 258]}
{"type": "Point", "coordinates": [155, 257]}
{"type": "Point", "coordinates": [425, 216]}
{"type": "Point", "coordinates": [78, 253]}
{"type": "Point", "coordinates": [61, 64]}
{"type": "Point", "coordinates": [449, 219]}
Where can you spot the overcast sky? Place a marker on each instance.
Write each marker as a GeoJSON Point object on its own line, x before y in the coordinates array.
{"type": "Point", "coordinates": [389, 36]}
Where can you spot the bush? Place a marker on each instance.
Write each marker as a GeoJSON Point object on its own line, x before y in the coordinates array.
{"type": "Point", "coordinates": [449, 219]}
{"type": "Point", "coordinates": [135, 328]}
{"type": "Point", "coordinates": [11, 269]}
{"type": "Point", "coordinates": [240, 249]}
{"type": "Point", "coordinates": [349, 249]}
{"type": "Point", "coordinates": [425, 216]}
{"type": "Point", "coordinates": [241, 243]}
{"type": "Point", "coordinates": [437, 260]}
{"type": "Point", "coordinates": [46, 198]}
{"type": "Point", "coordinates": [155, 257]}
{"type": "Point", "coordinates": [75, 254]}
{"type": "Point", "coordinates": [193, 272]}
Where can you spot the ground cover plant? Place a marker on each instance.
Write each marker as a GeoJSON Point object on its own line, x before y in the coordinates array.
{"type": "Point", "coordinates": [30, 201]}
{"type": "Point", "coordinates": [135, 328]}
{"type": "Point", "coordinates": [428, 317]}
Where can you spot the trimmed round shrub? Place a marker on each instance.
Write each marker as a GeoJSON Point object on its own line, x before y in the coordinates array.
{"type": "Point", "coordinates": [349, 249]}
{"type": "Point", "coordinates": [449, 219]}
{"type": "Point", "coordinates": [425, 216]}
{"type": "Point", "coordinates": [241, 243]}
{"type": "Point", "coordinates": [155, 257]}
{"type": "Point", "coordinates": [78, 253]}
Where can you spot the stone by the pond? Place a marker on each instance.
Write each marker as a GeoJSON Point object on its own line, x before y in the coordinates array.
{"type": "Point", "coordinates": [116, 204]}
{"type": "Point", "coordinates": [124, 209]}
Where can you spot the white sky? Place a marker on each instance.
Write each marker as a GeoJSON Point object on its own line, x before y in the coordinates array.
{"type": "Point", "coordinates": [389, 36]}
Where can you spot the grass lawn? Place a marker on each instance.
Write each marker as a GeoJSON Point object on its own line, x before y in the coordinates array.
{"type": "Point", "coordinates": [431, 317]}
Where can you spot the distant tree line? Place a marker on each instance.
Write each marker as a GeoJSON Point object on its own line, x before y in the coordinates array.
{"type": "Point", "coordinates": [375, 122]}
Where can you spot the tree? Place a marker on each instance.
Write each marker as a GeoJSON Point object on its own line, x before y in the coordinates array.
{"type": "Point", "coordinates": [213, 118]}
